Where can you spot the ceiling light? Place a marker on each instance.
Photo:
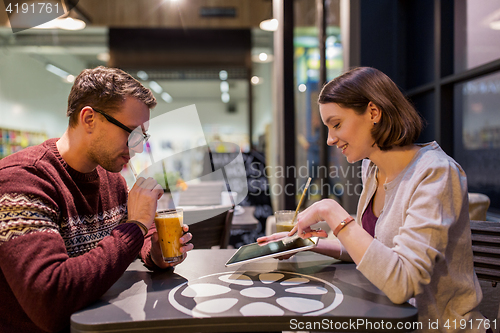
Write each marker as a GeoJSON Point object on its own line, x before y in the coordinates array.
{"type": "Point", "coordinates": [302, 87]}
{"type": "Point", "coordinates": [223, 75]}
{"type": "Point", "coordinates": [155, 87]}
{"type": "Point", "coordinates": [269, 25]}
{"type": "Point", "coordinates": [255, 80]}
{"type": "Point", "coordinates": [71, 24]}
{"type": "Point", "coordinates": [259, 57]}
{"type": "Point", "coordinates": [166, 97]}
{"type": "Point", "coordinates": [67, 23]}
{"type": "Point", "coordinates": [224, 86]}
{"type": "Point", "coordinates": [56, 70]}
{"type": "Point", "coordinates": [225, 97]}
{"type": "Point", "coordinates": [67, 77]}
{"type": "Point", "coordinates": [142, 75]}
{"type": "Point", "coordinates": [48, 25]}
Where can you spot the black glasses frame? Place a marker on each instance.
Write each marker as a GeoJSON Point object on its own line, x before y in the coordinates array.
{"type": "Point", "coordinates": [112, 120]}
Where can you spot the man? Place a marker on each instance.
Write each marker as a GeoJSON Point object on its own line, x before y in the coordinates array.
{"type": "Point", "coordinates": [68, 226]}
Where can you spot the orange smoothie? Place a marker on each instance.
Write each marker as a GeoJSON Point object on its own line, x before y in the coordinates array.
{"type": "Point", "coordinates": [169, 228]}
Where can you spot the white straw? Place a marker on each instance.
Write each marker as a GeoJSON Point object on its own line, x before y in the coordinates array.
{"type": "Point", "coordinates": [132, 169]}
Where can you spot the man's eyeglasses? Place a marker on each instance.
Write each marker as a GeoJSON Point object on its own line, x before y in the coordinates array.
{"type": "Point", "coordinates": [136, 136]}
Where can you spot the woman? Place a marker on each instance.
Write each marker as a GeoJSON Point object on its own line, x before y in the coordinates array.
{"type": "Point", "coordinates": [412, 235]}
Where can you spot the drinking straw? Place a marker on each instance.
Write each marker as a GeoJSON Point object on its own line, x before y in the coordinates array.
{"type": "Point", "coordinates": [289, 239]}
{"type": "Point", "coordinates": [132, 169]}
{"type": "Point", "coordinates": [301, 199]}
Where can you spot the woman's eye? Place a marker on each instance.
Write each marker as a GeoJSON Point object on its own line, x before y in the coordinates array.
{"type": "Point", "coordinates": [336, 126]}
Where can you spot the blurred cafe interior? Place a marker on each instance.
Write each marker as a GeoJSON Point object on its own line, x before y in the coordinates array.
{"type": "Point", "coordinates": [254, 68]}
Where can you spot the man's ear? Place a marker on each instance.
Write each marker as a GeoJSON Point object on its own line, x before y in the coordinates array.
{"type": "Point", "coordinates": [88, 119]}
{"type": "Point", "coordinates": [375, 112]}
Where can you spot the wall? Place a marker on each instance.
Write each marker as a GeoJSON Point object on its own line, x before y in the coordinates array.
{"type": "Point", "coordinates": [31, 98]}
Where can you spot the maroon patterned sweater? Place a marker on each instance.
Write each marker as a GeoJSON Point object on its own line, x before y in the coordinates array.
{"type": "Point", "coordinates": [61, 242]}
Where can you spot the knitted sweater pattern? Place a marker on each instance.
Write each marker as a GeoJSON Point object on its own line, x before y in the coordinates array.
{"type": "Point", "coordinates": [62, 245]}
{"type": "Point", "coordinates": [23, 212]}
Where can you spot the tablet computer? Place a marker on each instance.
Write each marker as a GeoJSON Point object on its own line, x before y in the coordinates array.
{"type": "Point", "coordinates": [256, 251]}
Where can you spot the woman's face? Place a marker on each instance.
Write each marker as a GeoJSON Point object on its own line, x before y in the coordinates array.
{"type": "Point", "coordinates": [349, 131]}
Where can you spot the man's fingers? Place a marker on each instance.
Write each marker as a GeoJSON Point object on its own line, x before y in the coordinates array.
{"type": "Point", "coordinates": [186, 238]}
{"type": "Point", "coordinates": [159, 190]}
{"type": "Point", "coordinates": [149, 183]}
{"type": "Point", "coordinates": [187, 247]}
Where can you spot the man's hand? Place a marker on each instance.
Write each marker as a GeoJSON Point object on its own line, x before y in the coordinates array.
{"type": "Point", "coordinates": [156, 255]}
{"type": "Point", "coordinates": [143, 199]}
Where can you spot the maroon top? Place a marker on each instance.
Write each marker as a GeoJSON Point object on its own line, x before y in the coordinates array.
{"type": "Point", "coordinates": [61, 242]}
{"type": "Point", "coordinates": [369, 220]}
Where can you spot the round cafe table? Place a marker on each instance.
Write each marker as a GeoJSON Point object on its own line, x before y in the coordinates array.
{"type": "Point", "coordinates": [202, 295]}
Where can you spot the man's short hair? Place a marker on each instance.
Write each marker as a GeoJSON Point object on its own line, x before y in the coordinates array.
{"type": "Point", "coordinates": [106, 89]}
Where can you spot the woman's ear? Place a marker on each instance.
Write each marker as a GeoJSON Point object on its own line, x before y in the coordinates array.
{"type": "Point", "coordinates": [375, 112]}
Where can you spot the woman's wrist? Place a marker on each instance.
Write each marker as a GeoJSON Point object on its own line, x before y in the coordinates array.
{"type": "Point", "coordinates": [328, 247]}
{"type": "Point", "coordinates": [333, 220]}
{"type": "Point", "coordinates": [342, 224]}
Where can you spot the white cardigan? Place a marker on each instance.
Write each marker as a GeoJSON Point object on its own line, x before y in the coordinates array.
{"type": "Point", "coordinates": [422, 245]}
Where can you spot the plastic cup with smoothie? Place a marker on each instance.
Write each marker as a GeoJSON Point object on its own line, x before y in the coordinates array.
{"type": "Point", "coordinates": [284, 220]}
{"type": "Point", "coordinates": [169, 228]}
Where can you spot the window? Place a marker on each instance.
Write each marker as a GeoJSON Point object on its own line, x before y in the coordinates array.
{"type": "Point", "coordinates": [477, 140]}
{"type": "Point", "coordinates": [477, 33]}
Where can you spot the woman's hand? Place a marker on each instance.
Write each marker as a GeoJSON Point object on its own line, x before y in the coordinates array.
{"type": "Point", "coordinates": [325, 210]}
{"type": "Point", "coordinates": [264, 240]}
{"type": "Point", "coordinates": [310, 232]}
{"type": "Point", "coordinates": [156, 255]}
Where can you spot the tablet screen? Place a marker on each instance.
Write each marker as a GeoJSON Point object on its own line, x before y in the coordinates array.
{"type": "Point", "coordinates": [254, 251]}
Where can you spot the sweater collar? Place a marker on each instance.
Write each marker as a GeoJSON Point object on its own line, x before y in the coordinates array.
{"type": "Point", "coordinates": [76, 175]}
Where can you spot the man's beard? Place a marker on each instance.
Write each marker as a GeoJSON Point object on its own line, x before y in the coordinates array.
{"type": "Point", "coordinates": [98, 154]}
